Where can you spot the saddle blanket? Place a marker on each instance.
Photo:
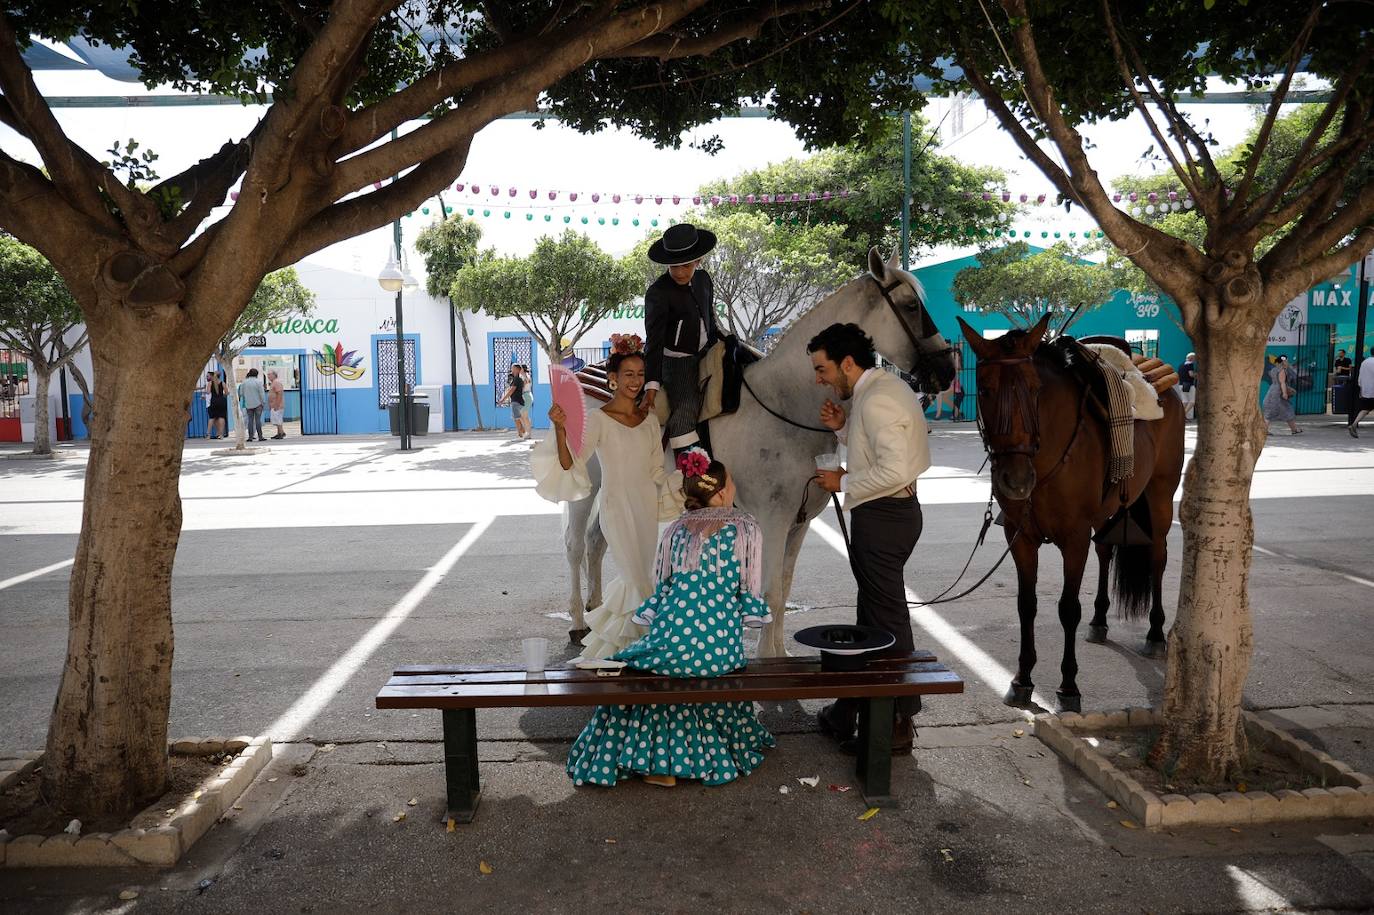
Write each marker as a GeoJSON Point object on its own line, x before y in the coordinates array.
{"type": "Point", "coordinates": [1143, 398]}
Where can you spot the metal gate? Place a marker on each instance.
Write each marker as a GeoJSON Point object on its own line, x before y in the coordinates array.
{"type": "Point", "coordinates": [505, 352]}
{"type": "Point", "coordinates": [319, 397]}
{"type": "Point", "coordinates": [1312, 367]}
{"type": "Point", "coordinates": [387, 390]}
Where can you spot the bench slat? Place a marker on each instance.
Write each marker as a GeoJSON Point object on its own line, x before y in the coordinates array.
{"type": "Point", "coordinates": [652, 689]}
{"type": "Point", "coordinates": [576, 675]}
{"type": "Point", "coordinates": [799, 663]}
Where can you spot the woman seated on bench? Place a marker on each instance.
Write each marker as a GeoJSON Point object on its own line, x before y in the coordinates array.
{"type": "Point", "coordinates": [710, 573]}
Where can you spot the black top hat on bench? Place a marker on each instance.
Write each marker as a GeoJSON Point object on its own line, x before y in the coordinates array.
{"type": "Point", "coordinates": [844, 646]}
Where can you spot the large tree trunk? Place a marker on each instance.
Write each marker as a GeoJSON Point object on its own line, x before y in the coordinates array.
{"type": "Point", "coordinates": [472, 379]}
{"type": "Point", "coordinates": [1211, 641]}
{"type": "Point", "coordinates": [107, 742]}
{"type": "Point", "coordinates": [42, 438]}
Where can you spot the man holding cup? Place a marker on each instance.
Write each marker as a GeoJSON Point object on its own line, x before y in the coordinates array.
{"type": "Point", "coordinates": [884, 432]}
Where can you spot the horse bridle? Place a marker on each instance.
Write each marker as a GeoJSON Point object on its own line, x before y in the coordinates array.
{"type": "Point", "coordinates": [1018, 397]}
{"type": "Point", "coordinates": [923, 356]}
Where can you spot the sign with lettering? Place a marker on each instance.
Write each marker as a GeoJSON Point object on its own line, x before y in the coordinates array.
{"type": "Point", "coordinates": [299, 326]}
{"type": "Point", "coordinates": [1286, 327]}
{"type": "Point", "coordinates": [258, 341]}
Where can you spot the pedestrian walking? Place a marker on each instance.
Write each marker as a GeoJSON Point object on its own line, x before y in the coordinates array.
{"type": "Point", "coordinates": [1187, 384]}
{"type": "Point", "coordinates": [515, 395]}
{"type": "Point", "coordinates": [1278, 402]}
{"type": "Point", "coordinates": [276, 402]}
{"type": "Point", "coordinates": [885, 433]}
{"type": "Point", "coordinates": [218, 409]}
{"type": "Point", "coordinates": [253, 396]}
{"type": "Point", "coordinates": [1365, 381]}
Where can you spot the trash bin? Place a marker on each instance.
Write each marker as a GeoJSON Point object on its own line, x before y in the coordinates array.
{"type": "Point", "coordinates": [419, 416]}
{"type": "Point", "coordinates": [1340, 398]}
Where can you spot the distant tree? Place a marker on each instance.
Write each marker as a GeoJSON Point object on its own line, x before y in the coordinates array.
{"type": "Point", "coordinates": [946, 195]}
{"type": "Point", "coordinates": [559, 292]}
{"type": "Point", "coordinates": [280, 295]}
{"type": "Point", "coordinates": [447, 246]}
{"type": "Point", "coordinates": [1012, 281]}
{"type": "Point", "coordinates": [37, 314]}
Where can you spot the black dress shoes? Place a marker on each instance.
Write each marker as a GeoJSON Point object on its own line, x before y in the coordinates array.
{"type": "Point", "coordinates": [903, 739]}
{"type": "Point", "coordinates": [832, 727]}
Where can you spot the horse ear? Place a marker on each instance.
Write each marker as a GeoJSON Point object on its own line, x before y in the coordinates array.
{"type": "Point", "coordinates": [983, 349]}
{"type": "Point", "coordinates": [1037, 333]}
{"type": "Point", "coordinates": [876, 265]}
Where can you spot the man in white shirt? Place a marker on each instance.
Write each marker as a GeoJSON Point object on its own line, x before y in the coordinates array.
{"type": "Point", "coordinates": [1366, 403]}
{"type": "Point", "coordinates": [885, 433]}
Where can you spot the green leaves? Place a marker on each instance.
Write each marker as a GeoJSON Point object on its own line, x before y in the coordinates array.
{"type": "Point", "coordinates": [280, 295]}
{"type": "Point", "coordinates": [447, 246]}
{"type": "Point", "coordinates": [1013, 281]}
{"type": "Point", "coordinates": [35, 303]}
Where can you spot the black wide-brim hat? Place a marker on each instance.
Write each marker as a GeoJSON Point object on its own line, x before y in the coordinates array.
{"type": "Point", "coordinates": [682, 244]}
{"type": "Point", "coordinates": [844, 646]}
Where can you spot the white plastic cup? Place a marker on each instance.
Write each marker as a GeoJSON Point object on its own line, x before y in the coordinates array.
{"type": "Point", "coordinates": [536, 654]}
{"type": "Point", "coordinates": [829, 461]}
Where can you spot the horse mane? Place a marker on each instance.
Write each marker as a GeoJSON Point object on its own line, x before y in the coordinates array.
{"type": "Point", "coordinates": [906, 275]}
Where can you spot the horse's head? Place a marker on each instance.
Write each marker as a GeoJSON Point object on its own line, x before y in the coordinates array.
{"type": "Point", "coordinates": [903, 329]}
{"type": "Point", "coordinates": [1009, 405]}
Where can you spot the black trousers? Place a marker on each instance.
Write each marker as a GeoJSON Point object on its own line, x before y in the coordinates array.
{"type": "Point", "coordinates": [882, 536]}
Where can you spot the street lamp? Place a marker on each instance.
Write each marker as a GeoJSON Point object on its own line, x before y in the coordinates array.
{"type": "Point", "coordinates": [394, 278]}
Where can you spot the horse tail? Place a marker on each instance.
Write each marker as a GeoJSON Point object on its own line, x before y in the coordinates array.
{"type": "Point", "coordinates": [1132, 580]}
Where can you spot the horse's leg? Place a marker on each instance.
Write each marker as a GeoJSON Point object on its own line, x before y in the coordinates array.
{"type": "Point", "coordinates": [1026, 554]}
{"type": "Point", "coordinates": [1161, 501]}
{"type": "Point", "coordinates": [596, 553]}
{"type": "Point", "coordinates": [772, 643]}
{"type": "Point", "coordinates": [1097, 627]}
{"type": "Point", "coordinates": [1075, 554]}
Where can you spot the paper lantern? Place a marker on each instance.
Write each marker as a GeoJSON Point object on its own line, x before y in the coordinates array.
{"type": "Point", "coordinates": [548, 217]}
{"type": "Point", "coordinates": [635, 221]}
{"type": "Point", "coordinates": [584, 220]}
{"type": "Point", "coordinates": [1056, 234]}
{"type": "Point", "coordinates": [512, 192]}
{"type": "Point", "coordinates": [553, 195]}
{"type": "Point", "coordinates": [533, 193]}
{"type": "Point", "coordinates": [474, 190]}
{"type": "Point", "coordinates": [1150, 209]}
{"type": "Point", "coordinates": [986, 196]}
{"type": "Point", "coordinates": [734, 198]}
{"type": "Point", "coordinates": [376, 185]}
{"type": "Point", "coordinates": [1152, 197]}
{"type": "Point", "coordinates": [615, 198]}
{"type": "Point", "coordinates": [767, 198]}
{"type": "Point", "coordinates": [234, 196]}
{"type": "Point", "coordinates": [1040, 199]}
{"type": "Point", "coordinates": [1024, 198]}
{"type": "Point", "coordinates": [1173, 195]}
{"type": "Point", "coordinates": [748, 198]}
{"type": "Point", "coordinates": [796, 197]}
{"type": "Point", "coordinates": [469, 211]}
{"type": "Point", "coordinates": [1188, 203]}
{"type": "Point", "coordinates": [459, 187]}
{"type": "Point", "coordinates": [601, 220]}
{"type": "Point", "coordinates": [529, 217]}
{"type": "Point", "coordinates": [639, 198]}
{"type": "Point", "coordinates": [495, 191]}
{"type": "Point", "coordinates": [567, 219]}
{"type": "Point", "coordinates": [653, 222]}
{"type": "Point", "coordinates": [658, 200]}
{"type": "Point", "coordinates": [424, 210]}
{"type": "Point", "coordinates": [715, 200]}
{"type": "Point", "coordinates": [1006, 196]}
{"type": "Point", "coordinates": [615, 220]}
{"type": "Point", "coordinates": [486, 212]}
{"type": "Point", "coordinates": [1135, 211]}
{"type": "Point", "coordinates": [596, 198]}
{"type": "Point", "coordinates": [506, 214]}
{"type": "Point", "coordinates": [825, 195]}
{"type": "Point", "coordinates": [676, 200]}
{"type": "Point", "coordinates": [572, 195]}
{"type": "Point", "coordinates": [1134, 197]}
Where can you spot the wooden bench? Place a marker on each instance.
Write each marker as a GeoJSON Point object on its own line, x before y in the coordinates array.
{"type": "Point", "coordinates": [459, 691]}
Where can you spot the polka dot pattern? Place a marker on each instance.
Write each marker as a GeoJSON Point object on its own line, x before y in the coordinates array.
{"type": "Point", "coordinates": [696, 625]}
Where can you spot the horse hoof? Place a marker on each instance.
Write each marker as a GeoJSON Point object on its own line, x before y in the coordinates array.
{"type": "Point", "coordinates": [575, 636]}
{"type": "Point", "coordinates": [1155, 650]}
{"type": "Point", "coordinates": [1097, 635]}
{"type": "Point", "coordinates": [1018, 696]}
{"type": "Point", "coordinates": [1069, 703]}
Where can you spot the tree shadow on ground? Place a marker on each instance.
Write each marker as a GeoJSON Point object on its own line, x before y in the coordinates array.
{"type": "Point", "coordinates": [511, 463]}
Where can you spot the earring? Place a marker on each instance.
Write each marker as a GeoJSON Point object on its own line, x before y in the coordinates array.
{"type": "Point", "coordinates": [612, 384]}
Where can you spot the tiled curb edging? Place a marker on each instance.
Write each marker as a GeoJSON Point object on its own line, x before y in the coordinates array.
{"type": "Point", "coordinates": [161, 846]}
{"type": "Point", "coordinates": [1348, 793]}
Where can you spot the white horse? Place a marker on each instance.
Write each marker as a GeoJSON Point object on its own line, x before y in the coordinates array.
{"type": "Point", "coordinates": [766, 445]}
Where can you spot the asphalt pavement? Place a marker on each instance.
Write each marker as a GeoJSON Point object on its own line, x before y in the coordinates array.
{"type": "Point", "coordinates": [306, 573]}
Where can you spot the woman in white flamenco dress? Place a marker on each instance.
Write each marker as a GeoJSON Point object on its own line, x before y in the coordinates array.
{"type": "Point", "coordinates": [637, 492]}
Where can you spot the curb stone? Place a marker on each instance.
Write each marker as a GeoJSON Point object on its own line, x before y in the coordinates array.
{"type": "Point", "coordinates": [161, 846]}
{"type": "Point", "coordinates": [1347, 793]}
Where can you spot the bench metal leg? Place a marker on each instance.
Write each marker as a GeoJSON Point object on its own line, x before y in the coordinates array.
{"type": "Point", "coordinates": [460, 763]}
{"type": "Point", "coordinates": [875, 751]}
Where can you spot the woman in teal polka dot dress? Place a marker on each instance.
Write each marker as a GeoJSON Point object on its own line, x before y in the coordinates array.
{"type": "Point", "coordinates": [710, 588]}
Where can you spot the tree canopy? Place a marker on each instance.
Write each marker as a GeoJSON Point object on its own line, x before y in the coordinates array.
{"type": "Point", "coordinates": [447, 245]}
{"type": "Point", "coordinates": [561, 290]}
{"type": "Point", "coordinates": [1022, 285]}
{"type": "Point", "coordinates": [281, 294]}
{"type": "Point", "coordinates": [870, 168]}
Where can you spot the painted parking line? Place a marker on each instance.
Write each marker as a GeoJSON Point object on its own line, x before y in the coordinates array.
{"type": "Point", "coordinates": [1254, 894]}
{"type": "Point", "coordinates": [1277, 554]}
{"type": "Point", "coordinates": [36, 573]}
{"type": "Point", "coordinates": [289, 726]}
{"type": "Point", "coordinates": [971, 658]}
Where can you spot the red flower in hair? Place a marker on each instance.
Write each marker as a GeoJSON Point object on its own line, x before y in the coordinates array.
{"type": "Point", "coordinates": [626, 344]}
{"type": "Point", "coordinates": [693, 463]}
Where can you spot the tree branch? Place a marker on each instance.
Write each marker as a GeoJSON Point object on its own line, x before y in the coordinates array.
{"type": "Point", "coordinates": [73, 171]}
{"type": "Point", "coordinates": [675, 47]}
{"type": "Point", "coordinates": [365, 212]}
{"type": "Point", "coordinates": [205, 184]}
{"type": "Point", "coordinates": [1189, 176]}
{"type": "Point", "coordinates": [1298, 165]}
{"type": "Point", "coordinates": [496, 18]}
{"type": "Point", "coordinates": [1288, 283]}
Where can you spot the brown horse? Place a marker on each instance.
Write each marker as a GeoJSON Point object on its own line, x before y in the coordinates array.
{"type": "Point", "coordinates": [1047, 436]}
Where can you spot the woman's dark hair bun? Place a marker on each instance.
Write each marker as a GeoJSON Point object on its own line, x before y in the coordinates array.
{"type": "Point", "coordinates": [614, 363]}
{"type": "Point", "coordinates": [698, 491]}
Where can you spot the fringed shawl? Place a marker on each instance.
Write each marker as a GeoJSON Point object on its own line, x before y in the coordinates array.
{"type": "Point", "coordinates": [683, 554]}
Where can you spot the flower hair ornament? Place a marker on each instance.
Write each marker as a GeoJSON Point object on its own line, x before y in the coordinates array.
{"type": "Point", "coordinates": [694, 462]}
{"type": "Point", "coordinates": [626, 344]}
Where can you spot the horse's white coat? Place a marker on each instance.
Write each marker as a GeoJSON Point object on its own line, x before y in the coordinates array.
{"type": "Point", "coordinates": [772, 461]}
